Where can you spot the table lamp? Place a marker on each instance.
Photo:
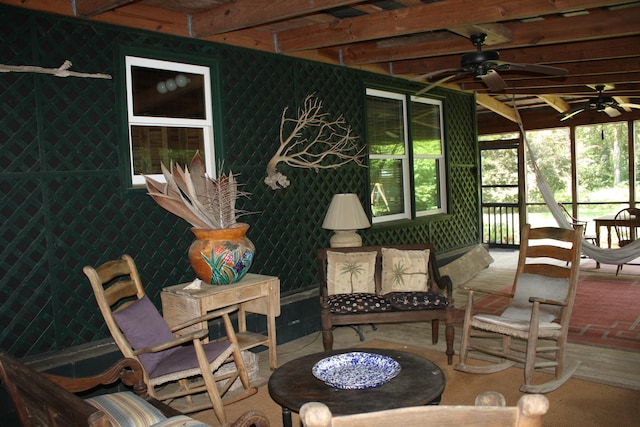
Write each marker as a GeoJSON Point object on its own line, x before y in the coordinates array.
{"type": "Point", "coordinates": [345, 216]}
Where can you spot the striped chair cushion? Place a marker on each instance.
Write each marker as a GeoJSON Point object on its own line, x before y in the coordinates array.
{"type": "Point", "coordinates": [125, 409]}
{"type": "Point", "coordinates": [181, 421]}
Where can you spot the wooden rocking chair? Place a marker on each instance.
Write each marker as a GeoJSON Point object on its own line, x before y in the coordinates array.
{"type": "Point", "coordinates": [627, 227]}
{"type": "Point", "coordinates": [142, 334]}
{"type": "Point", "coordinates": [533, 329]}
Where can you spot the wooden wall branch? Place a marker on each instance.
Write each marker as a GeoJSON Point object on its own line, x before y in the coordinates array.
{"type": "Point", "coordinates": [62, 71]}
{"type": "Point", "coordinates": [315, 141]}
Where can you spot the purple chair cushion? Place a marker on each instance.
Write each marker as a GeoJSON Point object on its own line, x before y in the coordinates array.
{"type": "Point", "coordinates": [143, 326]}
{"type": "Point", "coordinates": [184, 358]}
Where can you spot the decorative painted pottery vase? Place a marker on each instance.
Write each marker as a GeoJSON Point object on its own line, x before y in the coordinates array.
{"type": "Point", "coordinates": [221, 257]}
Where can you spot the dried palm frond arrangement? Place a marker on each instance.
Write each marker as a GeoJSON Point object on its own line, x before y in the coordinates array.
{"type": "Point", "coordinates": [202, 201]}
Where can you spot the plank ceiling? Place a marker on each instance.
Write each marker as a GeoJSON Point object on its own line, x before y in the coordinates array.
{"type": "Point", "coordinates": [598, 42]}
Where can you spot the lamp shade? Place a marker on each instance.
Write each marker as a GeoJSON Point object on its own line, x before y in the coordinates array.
{"type": "Point", "coordinates": [345, 213]}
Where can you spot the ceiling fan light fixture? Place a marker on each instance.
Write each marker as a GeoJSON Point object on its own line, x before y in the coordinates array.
{"type": "Point", "coordinates": [600, 104]}
{"type": "Point", "coordinates": [485, 64]}
{"type": "Point", "coordinates": [473, 58]}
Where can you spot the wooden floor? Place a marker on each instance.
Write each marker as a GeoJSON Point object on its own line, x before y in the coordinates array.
{"type": "Point", "coordinates": [607, 366]}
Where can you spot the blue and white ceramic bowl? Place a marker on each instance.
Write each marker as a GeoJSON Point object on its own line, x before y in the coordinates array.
{"type": "Point", "coordinates": [356, 370]}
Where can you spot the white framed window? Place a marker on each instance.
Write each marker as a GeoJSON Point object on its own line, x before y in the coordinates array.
{"type": "Point", "coordinates": [427, 142]}
{"type": "Point", "coordinates": [169, 115]}
{"type": "Point", "coordinates": [406, 156]}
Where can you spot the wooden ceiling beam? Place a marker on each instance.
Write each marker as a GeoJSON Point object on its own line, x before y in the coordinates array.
{"type": "Point", "coordinates": [423, 18]}
{"type": "Point", "coordinates": [604, 68]}
{"type": "Point", "coordinates": [494, 33]}
{"type": "Point", "coordinates": [240, 14]}
{"type": "Point", "coordinates": [567, 87]}
{"type": "Point", "coordinates": [254, 38]}
{"type": "Point", "coordinates": [588, 50]}
{"type": "Point", "coordinates": [544, 119]}
{"type": "Point", "coordinates": [88, 8]}
{"type": "Point", "coordinates": [557, 54]}
{"type": "Point", "coordinates": [598, 23]}
{"type": "Point", "coordinates": [632, 92]}
{"type": "Point", "coordinates": [623, 100]}
{"type": "Point", "coordinates": [497, 107]}
{"type": "Point", "coordinates": [556, 102]}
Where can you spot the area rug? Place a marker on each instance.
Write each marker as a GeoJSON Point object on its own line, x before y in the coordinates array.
{"type": "Point", "coordinates": [576, 403]}
{"type": "Point", "coordinates": [589, 266]}
{"type": "Point", "coordinates": [606, 312]}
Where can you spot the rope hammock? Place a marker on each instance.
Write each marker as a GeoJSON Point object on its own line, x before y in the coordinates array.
{"type": "Point", "coordinates": [614, 256]}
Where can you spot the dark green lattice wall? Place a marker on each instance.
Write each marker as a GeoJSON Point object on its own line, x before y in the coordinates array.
{"type": "Point", "coordinates": [65, 204]}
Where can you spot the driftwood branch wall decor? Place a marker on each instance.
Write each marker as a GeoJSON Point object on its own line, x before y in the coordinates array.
{"type": "Point", "coordinates": [312, 140]}
{"type": "Point", "coordinates": [62, 71]}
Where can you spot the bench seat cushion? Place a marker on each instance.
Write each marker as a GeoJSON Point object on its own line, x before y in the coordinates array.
{"type": "Point", "coordinates": [416, 300]}
{"type": "Point", "coordinates": [357, 303]}
{"type": "Point", "coordinates": [394, 301]}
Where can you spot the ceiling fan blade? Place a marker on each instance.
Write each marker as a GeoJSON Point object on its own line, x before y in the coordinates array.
{"type": "Point", "coordinates": [612, 112]}
{"type": "Point", "coordinates": [628, 105]}
{"type": "Point", "coordinates": [494, 82]}
{"type": "Point", "coordinates": [569, 114]}
{"type": "Point", "coordinates": [534, 68]}
{"type": "Point", "coordinates": [437, 83]}
{"type": "Point", "coordinates": [430, 76]}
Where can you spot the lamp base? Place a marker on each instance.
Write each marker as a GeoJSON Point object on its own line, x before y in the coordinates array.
{"type": "Point", "coordinates": [345, 239]}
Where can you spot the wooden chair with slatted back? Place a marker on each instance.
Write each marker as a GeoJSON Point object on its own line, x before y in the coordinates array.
{"type": "Point", "coordinates": [490, 410]}
{"type": "Point", "coordinates": [188, 360]}
{"type": "Point", "coordinates": [627, 225]}
{"type": "Point", "coordinates": [533, 329]}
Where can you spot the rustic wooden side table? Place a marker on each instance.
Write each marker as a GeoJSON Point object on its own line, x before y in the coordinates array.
{"type": "Point", "coordinates": [420, 382]}
{"type": "Point", "coordinates": [255, 293]}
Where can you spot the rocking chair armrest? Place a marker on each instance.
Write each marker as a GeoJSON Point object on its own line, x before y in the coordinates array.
{"type": "Point", "coordinates": [486, 292]}
{"type": "Point", "coordinates": [205, 317]}
{"type": "Point", "coordinates": [547, 301]}
{"type": "Point", "coordinates": [179, 340]}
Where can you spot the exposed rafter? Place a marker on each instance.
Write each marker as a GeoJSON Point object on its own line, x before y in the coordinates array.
{"type": "Point", "coordinates": [598, 42]}
{"type": "Point", "coordinates": [241, 14]}
{"type": "Point", "coordinates": [420, 19]}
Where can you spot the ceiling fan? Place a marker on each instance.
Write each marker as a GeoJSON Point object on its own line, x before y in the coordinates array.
{"type": "Point", "coordinates": [602, 104]}
{"type": "Point", "coordinates": [485, 64]}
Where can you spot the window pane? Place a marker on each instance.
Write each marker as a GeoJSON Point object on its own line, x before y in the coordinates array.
{"type": "Point", "coordinates": [385, 126]}
{"type": "Point", "coordinates": [499, 137]}
{"type": "Point", "coordinates": [602, 162]}
{"type": "Point", "coordinates": [153, 145]}
{"type": "Point", "coordinates": [425, 126]}
{"type": "Point", "coordinates": [167, 93]}
{"type": "Point", "coordinates": [499, 167]}
{"type": "Point", "coordinates": [552, 151]}
{"type": "Point", "coordinates": [387, 196]}
{"type": "Point", "coordinates": [427, 194]}
{"type": "Point", "coordinates": [500, 195]}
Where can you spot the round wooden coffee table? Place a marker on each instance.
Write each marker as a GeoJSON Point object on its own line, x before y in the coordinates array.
{"type": "Point", "coordinates": [420, 382]}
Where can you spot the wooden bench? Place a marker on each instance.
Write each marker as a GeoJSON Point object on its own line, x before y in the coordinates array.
{"type": "Point", "coordinates": [490, 410]}
{"type": "Point", "coordinates": [361, 308]}
{"type": "Point", "coordinates": [49, 400]}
